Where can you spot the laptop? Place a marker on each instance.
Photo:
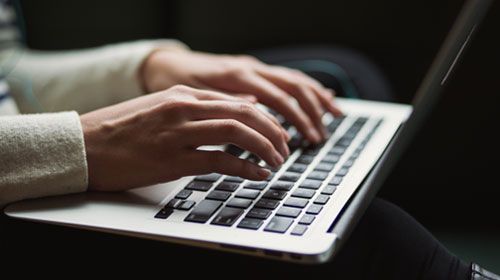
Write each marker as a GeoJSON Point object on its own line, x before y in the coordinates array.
{"type": "Point", "coordinates": [305, 211]}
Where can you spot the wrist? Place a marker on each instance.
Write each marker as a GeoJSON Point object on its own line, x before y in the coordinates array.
{"type": "Point", "coordinates": [90, 150]}
{"type": "Point", "coordinates": [154, 72]}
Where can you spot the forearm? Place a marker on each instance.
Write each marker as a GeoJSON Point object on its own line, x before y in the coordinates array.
{"type": "Point", "coordinates": [41, 155]}
{"type": "Point", "coordinates": [81, 80]}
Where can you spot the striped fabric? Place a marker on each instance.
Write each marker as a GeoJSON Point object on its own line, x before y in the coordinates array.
{"type": "Point", "coordinates": [9, 40]}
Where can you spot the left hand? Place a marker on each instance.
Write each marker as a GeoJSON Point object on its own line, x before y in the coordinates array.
{"type": "Point", "coordinates": [272, 86]}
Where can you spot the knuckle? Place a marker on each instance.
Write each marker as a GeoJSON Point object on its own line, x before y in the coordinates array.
{"type": "Point", "coordinates": [248, 110]}
{"type": "Point", "coordinates": [301, 89]}
{"type": "Point", "coordinates": [176, 107]}
{"type": "Point", "coordinates": [181, 88]}
{"type": "Point", "coordinates": [247, 58]}
{"type": "Point", "coordinates": [268, 146]}
{"type": "Point", "coordinates": [236, 72]}
{"type": "Point", "coordinates": [231, 127]}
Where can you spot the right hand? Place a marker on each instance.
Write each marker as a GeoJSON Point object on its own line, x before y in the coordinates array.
{"type": "Point", "coordinates": [154, 138]}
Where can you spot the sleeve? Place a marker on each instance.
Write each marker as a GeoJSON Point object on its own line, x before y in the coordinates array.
{"type": "Point", "coordinates": [82, 80]}
{"type": "Point", "coordinates": [41, 155]}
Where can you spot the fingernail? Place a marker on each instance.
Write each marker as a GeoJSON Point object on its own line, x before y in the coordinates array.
{"type": "Point", "coordinates": [263, 173]}
{"type": "Point", "coordinates": [278, 159]}
{"type": "Point", "coordinates": [332, 91]}
{"type": "Point", "coordinates": [324, 133]}
{"type": "Point", "coordinates": [287, 136]}
{"type": "Point", "coordinates": [314, 135]}
{"type": "Point", "coordinates": [283, 150]}
{"type": "Point", "coordinates": [287, 150]}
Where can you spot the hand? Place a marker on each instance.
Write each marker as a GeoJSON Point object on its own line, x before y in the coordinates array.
{"type": "Point", "coordinates": [154, 138]}
{"type": "Point", "coordinates": [271, 85]}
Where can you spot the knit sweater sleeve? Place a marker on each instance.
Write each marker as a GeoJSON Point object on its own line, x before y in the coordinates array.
{"type": "Point", "coordinates": [81, 80]}
{"type": "Point", "coordinates": [41, 155]}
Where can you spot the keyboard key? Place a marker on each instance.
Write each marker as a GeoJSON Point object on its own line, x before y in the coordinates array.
{"type": "Point", "coordinates": [286, 125]}
{"type": "Point", "coordinates": [333, 125]}
{"type": "Point", "coordinates": [218, 195]}
{"type": "Point", "coordinates": [336, 180]}
{"type": "Point", "coordinates": [282, 186]}
{"type": "Point", "coordinates": [310, 184]}
{"type": "Point", "coordinates": [305, 159]}
{"type": "Point", "coordinates": [248, 193]}
{"type": "Point", "coordinates": [304, 193]}
{"type": "Point", "coordinates": [314, 209]}
{"type": "Point", "coordinates": [227, 216]}
{"type": "Point", "coordinates": [250, 223]}
{"type": "Point", "coordinates": [312, 150]}
{"type": "Point", "coordinates": [279, 224]}
{"type": "Point", "coordinates": [324, 166]}
{"type": "Point", "coordinates": [295, 143]}
{"type": "Point", "coordinates": [350, 134]}
{"type": "Point", "coordinates": [271, 176]}
{"type": "Point", "coordinates": [212, 177]}
{"type": "Point", "coordinates": [331, 158]}
{"type": "Point", "coordinates": [234, 150]}
{"type": "Point", "coordinates": [267, 204]}
{"type": "Point", "coordinates": [322, 199]}
{"type": "Point", "coordinates": [199, 186]}
{"type": "Point", "coordinates": [297, 167]}
{"type": "Point", "coordinates": [307, 219]}
{"type": "Point", "coordinates": [234, 179]}
{"type": "Point", "coordinates": [164, 213]}
{"type": "Point", "coordinates": [342, 171]}
{"type": "Point", "coordinates": [290, 176]}
{"type": "Point", "coordinates": [274, 194]}
{"type": "Point", "coordinates": [299, 230]}
{"type": "Point", "coordinates": [344, 142]}
{"type": "Point", "coordinates": [173, 203]}
{"type": "Point", "coordinates": [348, 163]}
{"type": "Point", "coordinates": [337, 150]}
{"type": "Point", "coordinates": [254, 158]}
{"type": "Point", "coordinates": [184, 194]}
{"type": "Point", "coordinates": [355, 154]}
{"type": "Point", "coordinates": [227, 186]}
{"type": "Point", "coordinates": [259, 213]}
{"type": "Point", "coordinates": [318, 175]}
{"type": "Point", "coordinates": [203, 211]}
{"type": "Point", "coordinates": [256, 185]}
{"type": "Point", "coordinates": [239, 203]}
{"type": "Point", "coordinates": [329, 189]}
{"type": "Point", "coordinates": [186, 205]}
{"type": "Point", "coordinates": [288, 212]}
{"type": "Point", "coordinates": [296, 202]}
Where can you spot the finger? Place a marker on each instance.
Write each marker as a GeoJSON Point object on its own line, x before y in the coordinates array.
{"type": "Point", "coordinates": [286, 136]}
{"type": "Point", "coordinates": [214, 95]}
{"type": "Point", "coordinates": [326, 96]}
{"type": "Point", "coordinates": [247, 97]}
{"type": "Point", "coordinates": [245, 113]}
{"type": "Point", "coordinates": [327, 99]}
{"type": "Point", "coordinates": [230, 131]}
{"type": "Point", "coordinates": [272, 96]}
{"type": "Point", "coordinates": [203, 162]}
{"type": "Point", "coordinates": [304, 94]}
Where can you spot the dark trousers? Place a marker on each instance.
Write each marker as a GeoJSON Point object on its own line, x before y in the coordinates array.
{"type": "Point", "coordinates": [386, 244]}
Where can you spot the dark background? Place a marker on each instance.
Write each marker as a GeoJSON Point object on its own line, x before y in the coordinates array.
{"type": "Point", "coordinates": [447, 179]}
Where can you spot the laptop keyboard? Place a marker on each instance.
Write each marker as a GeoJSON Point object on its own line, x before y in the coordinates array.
{"type": "Point", "coordinates": [276, 203]}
